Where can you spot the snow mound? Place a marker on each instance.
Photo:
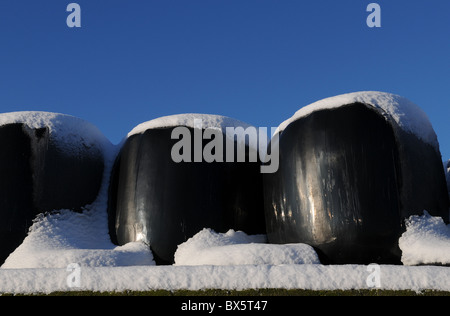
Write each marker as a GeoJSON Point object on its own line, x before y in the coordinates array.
{"type": "Point", "coordinates": [404, 112]}
{"type": "Point", "coordinates": [426, 241]}
{"type": "Point", "coordinates": [70, 133]}
{"type": "Point", "coordinates": [237, 248]}
{"type": "Point", "coordinates": [127, 255]}
{"type": "Point", "coordinates": [58, 239]}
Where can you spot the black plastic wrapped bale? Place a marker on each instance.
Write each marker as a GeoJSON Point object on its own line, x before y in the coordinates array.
{"type": "Point", "coordinates": [163, 203]}
{"type": "Point", "coordinates": [41, 173]}
{"type": "Point", "coordinates": [349, 175]}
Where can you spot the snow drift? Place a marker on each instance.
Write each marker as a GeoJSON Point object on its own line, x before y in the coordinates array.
{"type": "Point", "coordinates": [59, 239]}
{"type": "Point", "coordinates": [237, 248]}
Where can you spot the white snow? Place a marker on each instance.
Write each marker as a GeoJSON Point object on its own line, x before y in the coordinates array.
{"type": "Point", "coordinates": [293, 276]}
{"type": "Point", "coordinates": [188, 120]}
{"type": "Point", "coordinates": [404, 112]}
{"type": "Point", "coordinates": [69, 133]}
{"type": "Point", "coordinates": [426, 241]}
{"type": "Point", "coordinates": [237, 248]}
{"type": "Point", "coordinates": [133, 269]}
{"type": "Point", "coordinates": [58, 239]}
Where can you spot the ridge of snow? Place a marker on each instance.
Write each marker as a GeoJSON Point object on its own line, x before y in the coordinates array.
{"type": "Point", "coordinates": [404, 112]}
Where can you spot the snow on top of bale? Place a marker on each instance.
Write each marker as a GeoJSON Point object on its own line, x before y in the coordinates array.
{"type": "Point", "coordinates": [208, 121]}
{"type": "Point", "coordinates": [404, 112]}
{"type": "Point", "coordinates": [69, 132]}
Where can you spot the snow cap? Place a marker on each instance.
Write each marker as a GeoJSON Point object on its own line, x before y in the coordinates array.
{"type": "Point", "coordinates": [210, 121]}
{"type": "Point", "coordinates": [69, 133]}
{"type": "Point", "coordinates": [405, 113]}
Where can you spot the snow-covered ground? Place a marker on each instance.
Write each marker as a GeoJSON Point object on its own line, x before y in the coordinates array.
{"type": "Point", "coordinates": [66, 251]}
{"type": "Point", "coordinates": [294, 276]}
{"type": "Point", "coordinates": [232, 260]}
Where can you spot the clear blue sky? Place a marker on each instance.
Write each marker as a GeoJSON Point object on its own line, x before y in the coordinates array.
{"type": "Point", "coordinates": [254, 60]}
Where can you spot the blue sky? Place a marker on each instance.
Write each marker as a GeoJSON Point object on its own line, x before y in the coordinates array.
{"type": "Point", "coordinates": [258, 61]}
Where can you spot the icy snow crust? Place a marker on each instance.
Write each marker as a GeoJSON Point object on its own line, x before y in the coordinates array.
{"type": "Point", "coordinates": [405, 113]}
{"type": "Point", "coordinates": [66, 237]}
{"type": "Point", "coordinates": [70, 133]}
{"type": "Point", "coordinates": [231, 260]}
